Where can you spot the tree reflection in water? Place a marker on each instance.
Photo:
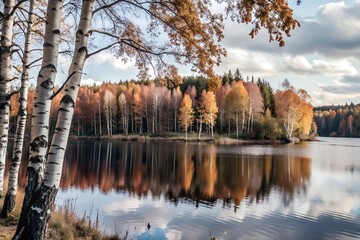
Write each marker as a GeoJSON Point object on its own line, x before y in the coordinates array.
{"type": "Point", "coordinates": [191, 172]}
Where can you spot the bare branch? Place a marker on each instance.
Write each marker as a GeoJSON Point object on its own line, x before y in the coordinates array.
{"type": "Point", "coordinates": [107, 6]}
{"type": "Point", "coordinates": [14, 9]}
{"type": "Point", "coordinates": [103, 32]}
{"type": "Point", "coordinates": [102, 49]}
{"type": "Point", "coordinates": [63, 85]}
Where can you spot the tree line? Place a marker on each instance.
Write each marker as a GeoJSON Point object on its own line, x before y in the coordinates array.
{"type": "Point", "coordinates": [338, 121]}
{"type": "Point", "coordinates": [241, 109]}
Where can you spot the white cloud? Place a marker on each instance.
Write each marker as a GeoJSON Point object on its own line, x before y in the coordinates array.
{"type": "Point", "coordinates": [106, 58]}
{"type": "Point", "coordinates": [246, 61]}
{"type": "Point", "coordinates": [90, 82]}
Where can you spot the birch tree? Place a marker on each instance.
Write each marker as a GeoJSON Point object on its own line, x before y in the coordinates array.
{"type": "Point", "coordinates": [176, 96]}
{"type": "Point", "coordinates": [294, 111]}
{"type": "Point", "coordinates": [210, 111]}
{"type": "Point", "coordinates": [33, 220]}
{"type": "Point", "coordinates": [186, 113]}
{"type": "Point", "coordinates": [6, 76]}
{"type": "Point", "coordinates": [9, 202]}
{"type": "Point", "coordinates": [41, 114]}
{"type": "Point", "coordinates": [108, 99]}
{"type": "Point", "coordinates": [124, 112]}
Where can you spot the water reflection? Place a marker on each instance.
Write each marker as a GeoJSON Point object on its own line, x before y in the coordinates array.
{"type": "Point", "coordinates": [186, 191]}
{"type": "Point", "coordinates": [183, 172]}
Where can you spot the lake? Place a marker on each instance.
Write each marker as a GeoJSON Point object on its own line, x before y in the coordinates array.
{"type": "Point", "coordinates": [199, 190]}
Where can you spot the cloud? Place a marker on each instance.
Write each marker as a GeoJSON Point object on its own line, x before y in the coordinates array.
{"type": "Point", "coordinates": [265, 64]}
{"type": "Point", "coordinates": [333, 32]}
{"type": "Point", "coordinates": [253, 62]}
{"type": "Point", "coordinates": [106, 58]}
{"type": "Point", "coordinates": [90, 82]}
{"type": "Point", "coordinates": [345, 89]}
{"type": "Point", "coordinates": [301, 65]}
{"type": "Point", "coordinates": [105, 67]}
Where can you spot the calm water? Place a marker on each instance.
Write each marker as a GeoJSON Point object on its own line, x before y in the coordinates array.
{"type": "Point", "coordinates": [194, 191]}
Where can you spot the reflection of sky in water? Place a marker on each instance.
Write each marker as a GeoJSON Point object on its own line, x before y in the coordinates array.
{"type": "Point", "coordinates": [329, 209]}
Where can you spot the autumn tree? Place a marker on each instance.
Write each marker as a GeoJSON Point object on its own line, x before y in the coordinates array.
{"type": "Point", "coordinates": [294, 110]}
{"type": "Point", "coordinates": [201, 111]}
{"type": "Point", "coordinates": [176, 98]}
{"type": "Point", "coordinates": [108, 106]}
{"type": "Point", "coordinates": [236, 103]}
{"type": "Point", "coordinates": [256, 104]}
{"type": "Point", "coordinates": [186, 113]}
{"type": "Point", "coordinates": [210, 111]}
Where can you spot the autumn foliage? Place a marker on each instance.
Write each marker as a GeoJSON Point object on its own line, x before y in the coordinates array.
{"type": "Point", "coordinates": [240, 109]}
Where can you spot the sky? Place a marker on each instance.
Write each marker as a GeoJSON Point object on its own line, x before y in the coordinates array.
{"type": "Point", "coordinates": [322, 56]}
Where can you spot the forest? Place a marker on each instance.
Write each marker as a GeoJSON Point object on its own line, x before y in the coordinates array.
{"type": "Point", "coordinates": [338, 120]}
{"type": "Point", "coordinates": [239, 108]}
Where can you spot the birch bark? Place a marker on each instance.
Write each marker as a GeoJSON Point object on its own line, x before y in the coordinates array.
{"type": "Point", "coordinates": [40, 122]}
{"type": "Point", "coordinates": [37, 218]}
{"type": "Point", "coordinates": [9, 203]}
{"type": "Point", "coordinates": [6, 77]}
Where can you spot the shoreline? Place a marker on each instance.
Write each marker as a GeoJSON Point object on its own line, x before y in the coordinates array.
{"type": "Point", "coordinates": [180, 138]}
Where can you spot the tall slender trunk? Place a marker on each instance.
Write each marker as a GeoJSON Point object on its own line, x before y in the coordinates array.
{"type": "Point", "coordinates": [95, 121]}
{"type": "Point", "coordinates": [237, 125]}
{"type": "Point", "coordinates": [229, 126]}
{"type": "Point", "coordinates": [99, 119]}
{"type": "Point", "coordinates": [200, 127]}
{"type": "Point", "coordinates": [107, 119]}
{"type": "Point", "coordinates": [5, 77]}
{"type": "Point", "coordinates": [9, 203]}
{"type": "Point", "coordinates": [243, 122]}
{"type": "Point", "coordinates": [35, 221]}
{"type": "Point", "coordinates": [111, 123]}
{"type": "Point", "coordinates": [41, 111]}
{"type": "Point", "coordinates": [147, 118]}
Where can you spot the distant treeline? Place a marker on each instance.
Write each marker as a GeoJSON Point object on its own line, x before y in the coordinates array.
{"type": "Point", "coordinates": [338, 121]}
{"type": "Point", "coordinates": [241, 108]}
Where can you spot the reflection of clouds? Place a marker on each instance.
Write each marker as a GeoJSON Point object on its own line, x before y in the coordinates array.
{"type": "Point", "coordinates": [328, 208]}
{"type": "Point", "coordinates": [125, 206]}
{"type": "Point", "coordinates": [174, 234]}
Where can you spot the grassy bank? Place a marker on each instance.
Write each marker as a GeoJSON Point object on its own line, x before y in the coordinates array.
{"type": "Point", "coordinates": [177, 137]}
{"type": "Point", "coordinates": [64, 224]}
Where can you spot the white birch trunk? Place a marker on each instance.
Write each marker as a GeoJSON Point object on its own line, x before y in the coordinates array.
{"type": "Point", "coordinates": [9, 203]}
{"type": "Point", "coordinates": [237, 125]}
{"type": "Point", "coordinates": [99, 119]}
{"type": "Point", "coordinates": [36, 221]}
{"type": "Point", "coordinates": [30, 227]}
{"type": "Point", "coordinates": [5, 77]}
{"type": "Point", "coordinates": [67, 104]}
{"type": "Point", "coordinates": [42, 100]}
{"type": "Point", "coordinates": [200, 127]}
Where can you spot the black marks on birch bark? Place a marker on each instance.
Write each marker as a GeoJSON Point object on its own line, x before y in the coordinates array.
{"type": "Point", "coordinates": [68, 100]}
{"type": "Point", "coordinates": [38, 143]}
{"type": "Point", "coordinates": [34, 222]}
{"type": "Point", "coordinates": [56, 31]}
{"type": "Point", "coordinates": [48, 84]}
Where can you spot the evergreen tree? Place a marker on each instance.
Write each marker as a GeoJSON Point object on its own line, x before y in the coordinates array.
{"type": "Point", "coordinates": [237, 75]}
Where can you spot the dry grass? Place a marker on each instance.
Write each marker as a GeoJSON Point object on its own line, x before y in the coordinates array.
{"type": "Point", "coordinates": [64, 224]}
